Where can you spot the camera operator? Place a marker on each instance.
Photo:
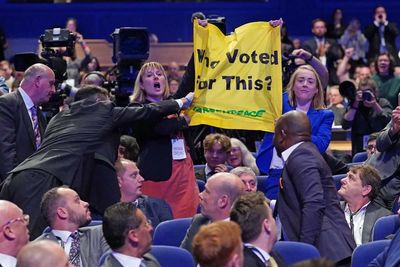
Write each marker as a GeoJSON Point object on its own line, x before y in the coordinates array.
{"type": "Point", "coordinates": [366, 114]}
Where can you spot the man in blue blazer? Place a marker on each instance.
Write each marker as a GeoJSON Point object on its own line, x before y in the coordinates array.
{"type": "Point", "coordinates": [308, 205]}
{"type": "Point", "coordinates": [130, 183]}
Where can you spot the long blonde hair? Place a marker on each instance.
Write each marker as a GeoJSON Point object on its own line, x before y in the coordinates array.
{"type": "Point", "coordinates": [318, 99]}
{"type": "Point", "coordinates": [248, 159]}
{"type": "Point", "coordinates": [139, 95]}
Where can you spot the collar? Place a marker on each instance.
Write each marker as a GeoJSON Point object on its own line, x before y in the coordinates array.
{"type": "Point", "coordinates": [27, 100]}
{"type": "Point", "coordinates": [126, 260]}
{"type": "Point", "coordinates": [7, 260]}
{"type": "Point", "coordinates": [62, 234]}
{"type": "Point", "coordinates": [287, 152]}
{"type": "Point", "coordinates": [377, 24]}
{"type": "Point", "coordinates": [347, 210]}
{"type": "Point", "coordinates": [261, 254]}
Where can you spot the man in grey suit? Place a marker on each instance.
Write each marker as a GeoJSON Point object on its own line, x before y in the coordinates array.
{"type": "Point", "coordinates": [386, 160]}
{"type": "Point", "coordinates": [17, 139]}
{"type": "Point", "coordinates": [129, 234]}
{"type": "Point", "coordinates": [308, 205]}
{"type": "Point", "coordinates": [359, 189]}
{"type": "Point", "coordinates": [65, 213]}
{"type": "Point", "coordinates": [221, 191]}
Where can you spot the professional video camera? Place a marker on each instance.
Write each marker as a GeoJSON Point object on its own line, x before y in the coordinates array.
{"type": "Point", "coordinates": [130, 50]}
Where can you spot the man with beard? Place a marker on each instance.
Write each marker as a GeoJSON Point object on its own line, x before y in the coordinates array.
{"type": "Point", "coordinates": [65, 212]}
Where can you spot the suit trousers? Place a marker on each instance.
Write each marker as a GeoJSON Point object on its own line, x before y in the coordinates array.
{"type": "Point", "coordinates": [26, 189]}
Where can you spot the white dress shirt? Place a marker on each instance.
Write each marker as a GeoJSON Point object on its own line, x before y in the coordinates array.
{"type": "Point", "coordinates": [127, 261]}
{"type": "Point", "coordinates": [65, 241]}
{"type": "Point", "coordinates": [358, 221]}
{"type": "Point", "coordinates": [7, 260]}
{"type": "Point", "coordinates": [27, 101]}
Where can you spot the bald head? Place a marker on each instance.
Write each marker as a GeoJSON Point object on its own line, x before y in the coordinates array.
{"type": "Point", "coordinates": [291, 128]}
{"type": "Point", "coordinates": [228, 183]}
{"type": "Point", "coordinates": [42, 253]}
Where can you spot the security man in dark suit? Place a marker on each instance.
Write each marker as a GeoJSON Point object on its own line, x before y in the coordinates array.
{"type": "Point", "coordinates": [72, 134]}
{"type": "Point", "coordinates": [22, 123]}
{"type": "Point", "coordinates": [308, 205]}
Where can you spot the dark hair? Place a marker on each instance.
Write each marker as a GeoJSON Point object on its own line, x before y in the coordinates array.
{"type": "Point", "coordinates": [249, 212]}
{"type": "Point", "coordinates": [117, 221]}
{"type": "Point", "coordinates": [131, 147]}
{"type": "Point", "coordinates": [50, 201]}
{"type": "Point", "coordinates": [368, 176]}
{"type": "Point", "coordinates": [372, 137]}
{"type": "Point", "coordinates": [317, 20]}
{"type": "Point", "coordinates": [90, 91]}
{"type": "Point", "coordinates": [391, 64]}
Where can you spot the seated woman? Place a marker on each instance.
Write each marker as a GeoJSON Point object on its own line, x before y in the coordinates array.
{"type": "Point", "coordinates": [164, 159]}
{"type": "Point", "coordinates": [304, 93]}
{"type": "Point", "coordinates": [241, 156]}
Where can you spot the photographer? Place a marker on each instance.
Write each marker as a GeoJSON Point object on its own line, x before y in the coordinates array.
{"type": "Point", "coordinates": [366, 114]}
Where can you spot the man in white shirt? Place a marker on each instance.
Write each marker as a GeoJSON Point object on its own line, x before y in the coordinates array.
{"type": "Point", "coordinates": [14, 233]}
{"type": "Point", "coordinates": [65, 213]}
{"type": "Point", "coordinates": [359, 189]}
{"type": "Point", "coordinates": [129, 235]}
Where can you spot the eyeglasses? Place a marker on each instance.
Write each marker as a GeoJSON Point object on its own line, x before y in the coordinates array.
{"type": "Point", "coordinates": [24, 218]}
{"type": "Point", "coordinates": [371, 147]}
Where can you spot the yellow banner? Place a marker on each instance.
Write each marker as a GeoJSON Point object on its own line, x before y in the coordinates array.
{"type": "Point", "coordinates": [238, 77]}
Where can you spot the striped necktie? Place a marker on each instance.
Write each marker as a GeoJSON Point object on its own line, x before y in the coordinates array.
{"type": "Point", "coordinates": [36, 132]}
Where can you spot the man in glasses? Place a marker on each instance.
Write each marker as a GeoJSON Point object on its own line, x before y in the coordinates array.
{"type": "Point", "coordinates": [14, 233]}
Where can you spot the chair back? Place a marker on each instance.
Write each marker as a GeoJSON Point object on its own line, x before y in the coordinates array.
{"type": "Point", "coordinates": [172, 232]}
{"type": "Point", "coordinates": [337, 180]}
{"type": "Point", "coordinates": [360, 157]}
{"type": "Point", "coordinates": [172, 256]}
{"type": "Point", "coordinates": [262, 183]}
{"type": "Point", "coordinates": [366, 252]}
{"type": "Point", "coordinates": [201, 185]}
{"type": "Point", "coordinates": [385, 226]}
{"type": "Point", "coordinates": [293, 252]}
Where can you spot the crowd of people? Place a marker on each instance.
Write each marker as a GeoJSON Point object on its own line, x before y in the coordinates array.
{"type": "Point", "coordinates": [132, 167]}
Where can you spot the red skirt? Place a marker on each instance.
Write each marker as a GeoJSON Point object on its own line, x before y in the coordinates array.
{"type": "Point", "coordinates": [180, 191]}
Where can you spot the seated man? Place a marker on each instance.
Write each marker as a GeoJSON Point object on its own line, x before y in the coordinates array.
{"type": "Point", "coordinates": [65, 213]}
{"type": "Point", "coordinates": [221, 191]}
{"type": "Point", "coordinates": [248, 177]}
{"type": "Point", "coordinates": [130, 183]}
{"type": "Point", "coordinates": [128, 232]}
{"type": "Point", "coordinates": [371, 144]}
{"type": "Point", "coordinates": [259, 234]}
{"type": "Point", "coordinates": [14, 232]}
{"type": "Point", "coordinates": [218, 245]}
{"type": "Point", "coordinates": [359, 189]}
{"type": "Point", "coordinates": [216, 151]}
{"type": "Point", "coordinates": [43, 253]}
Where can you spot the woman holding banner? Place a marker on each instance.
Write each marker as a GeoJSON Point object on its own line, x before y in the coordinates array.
{"type": "Point", "coordinates": [305, 92]}
{"type": "Point", "coordinates": [164, 159]}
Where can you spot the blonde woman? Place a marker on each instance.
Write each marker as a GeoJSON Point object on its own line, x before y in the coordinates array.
{"type": "Point", "coordinates": [241, 156]}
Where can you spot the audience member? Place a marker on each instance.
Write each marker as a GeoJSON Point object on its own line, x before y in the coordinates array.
{"type": "Point", "coordinates": [129, 234]}
{"type": "Point", "coordinates": [173, 85]}
{"type": "Point", "coordinates": [128, 148]}
{"type": "Point", "coordinates": [21, 120]}
{"type": "Point", "coordinates": [216, 152]}
{"type": "Point", "coordinates": [326, 50]}
{"type": "Point", "coordinates": [366, 114]}
{"type": "Point", "coordinates": [165, 144]}
{"type": "Point", "coordinates": [90, 66]}
{"type": "Point", "coordinates": [336, 104]}
{"type": "Point", "coordinates": [386, 160]}
{"type": "Point", "coordinates": [8, 72]}
{"type": "Point", "coordinates": [336, 29]}
{"type": "Point", "coordinates": [93, 78]}
{"type": "Point", "coordinates": [305, 92]}
{"type": "Point", "coordinates": [359, 190]}
{"type": "Point", "coordinates": [308, 206]}
{"type": "Point", "coordinates": [354, 39]}
{"type": "Point", "coordinates": [43, 253]}
{"type": "Point", "coordinates": [65, 156]}
{"type": "Point", "coordinates": [173, 71]}
{"type": "Point", "coordinates": [371, 145]}
{"type": "Point", "coordinates": [66, 213]}
{"type": "Point", "coordinates": [381, 35]}
{"type": "Point", "coordinates": [221, 191]}
{"type": "Point", "coordinates": [248, 178]}
{"type": "Point", "coordinates": [241, 156]}
{"type": "Point", "coordinates": [259, 233]}
{"type": "Point", "coordinates": [130, 183]}
{"type": "Point", "coordinates": [14, 232]}
{"type": "Point", "coordinates": [388, 84]}
{"type": "Point", "coordinates": [218, 245]}
{"type": "Point", "coordinates": [390, 256]}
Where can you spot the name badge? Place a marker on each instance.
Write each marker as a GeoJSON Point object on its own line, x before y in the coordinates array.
{"type": "Point", "coordinates": [178, 149]}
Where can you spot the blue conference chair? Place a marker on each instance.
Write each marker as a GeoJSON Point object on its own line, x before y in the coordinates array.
{"type": "Point", "coordinates": [360, 157]}
{"type": "Point", "coordinates": [201, 185]}
{"type": "Point", "coordinates": [293, 252]}
{"type": "Point", "coordinates": [385, 226]}
{"type": "Point", "coordinates": [366, 252]}
{"type": "Point", "coordinates": [337, 178]}
{"type": "Point", "coordinates": [172, 256]}
{"type": "Point", "coordinates": [262, 183]}
{"type": "Point", "coordinates": [172, 232]}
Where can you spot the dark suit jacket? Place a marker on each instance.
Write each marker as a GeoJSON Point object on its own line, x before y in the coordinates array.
{"type": "Point", "coordinates": [252, 260]}
{"type": "Point", "coordinates": [93, 244]}
{"type": "Point", "coordinates": [155, 209]}
{"type": "Point", "coordinates": [111, 261]}
{"type": "Point", "coordinates": [17, 140]}
{"type": "Point", "coordinates": [197, 222]}
{"type": "Point", "coordinates": [390, 256]}
{"type": "Point", "coordinates": [372, 214]}
{"type": "Point", "coordinates": [308, 205]}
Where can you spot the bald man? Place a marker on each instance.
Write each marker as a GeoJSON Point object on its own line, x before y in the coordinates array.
{"type": "Point", "coordinates": [42, 253]}
{"type": "Point", "coordinates": [21, 120]}
{"type": "Point", "coordinates": [308, 205]}
{"type": "Point", "coordinates": [221, 191]}
{"type": "Point", "coordinates": [14, 233]}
